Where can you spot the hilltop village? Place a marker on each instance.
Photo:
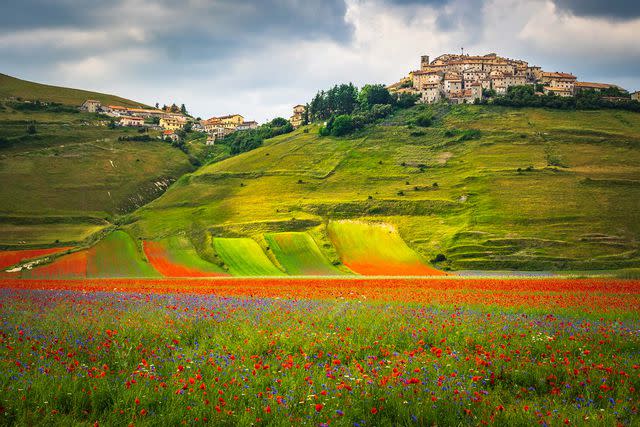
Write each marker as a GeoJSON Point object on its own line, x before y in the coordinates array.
{"type": "Point", "coordinates": [454, 78]}
{"type": "Point", "coordinates": [463, 79]}
{"type": "Point", "coordinates": [170, 120]}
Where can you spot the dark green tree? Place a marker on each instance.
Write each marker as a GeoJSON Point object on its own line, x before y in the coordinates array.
{"type": "Point", "coordinates": [31, 128]}
{"type": "Point", "coordinates": [371, 95]}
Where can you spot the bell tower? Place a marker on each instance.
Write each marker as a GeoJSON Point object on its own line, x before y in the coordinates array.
{"type": "Point", "coordinates": [424, 62]}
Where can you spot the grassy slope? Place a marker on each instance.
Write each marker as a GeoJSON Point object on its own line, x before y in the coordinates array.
{"type": "Point", "coordinates": [114, 256]}
{"type": "Point", "coordinates": [178, 257]}
{"type": "Point", "coordinates": [578, 208]}
{"type": "Point", "coordinates": [117, 256]}
{"type": "Point", "coordinates": [375, 250]}
{"type": "Point", "coordinates": [11, 87]}
{"type": "Point", "coordinates": [244, 257]}
{"type": "Point", "coordinates": [299, 254]}
{"type": "Point", "coordinates": [62, 182]}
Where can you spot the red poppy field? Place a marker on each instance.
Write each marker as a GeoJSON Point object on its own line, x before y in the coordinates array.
{"type": "Point", "coordinates": [356, 351]}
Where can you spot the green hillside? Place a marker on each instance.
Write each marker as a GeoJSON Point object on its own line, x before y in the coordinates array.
{"type": "Point", "coordinates": [66, 175]}
{"type": "Point", "coordinates": [484, 187]}
{"type": "Point", "coordinates": [11, 87]}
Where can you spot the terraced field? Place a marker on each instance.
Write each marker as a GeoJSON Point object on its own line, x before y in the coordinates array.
{"type": "Point", "coordinates": [114, 256]}
{"type": "Point", "coordinates": [299, 254]}
{"type": "Point", "coordinates": [117, 256]}
{"type": "Point", "coordinates": [376, 250]}
{"type": "Point", "coordinates": [176, 257]}
{"type": "Point", "coordinates": [244, 257]}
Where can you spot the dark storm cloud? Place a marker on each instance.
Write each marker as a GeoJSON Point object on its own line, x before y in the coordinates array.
{"type": "Point", "coordinates": [612, 9]}
{"type": "Point", "coordinates": [310, 18]}
{"type": "Point", "coordinates": [191, 30]}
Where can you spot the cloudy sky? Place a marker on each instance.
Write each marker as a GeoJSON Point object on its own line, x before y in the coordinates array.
{"type": "Point", "coordinates": [261, 57]}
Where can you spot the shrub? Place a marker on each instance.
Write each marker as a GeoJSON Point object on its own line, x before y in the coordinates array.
{"type": "Point", "coordinates": [424, 120]}
{"type": "Point", "coordinates": [342, 125]}
{"type": "Point", "coordinates": [439, 258]}
{"type": "Point", "coordinates": [31, 128]}
{"type": "Point", "coordinates": [470, 134]}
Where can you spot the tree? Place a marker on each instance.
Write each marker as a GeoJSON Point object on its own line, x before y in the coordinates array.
{"type": "Point", "coordinates": [278, 122]}
{"type": "Point", "coordinates": [406, 100]}
{"type": "Point", "coordinates": [342, 125]}
{"type": "Point", "coordinates": [305, 115]}
{"type": "Point", "coordinates": [183, 109]}
{"type": "Point", "coordinates": [157, 105]}
{"type": "Point", "coordinates": [339, 100]}
{"type": "Point", "coordinates": [188, 127]}
{"type": "Point", "coordinates": [371, 95]}
{"type": "Point", "coordinates": [31, 128]}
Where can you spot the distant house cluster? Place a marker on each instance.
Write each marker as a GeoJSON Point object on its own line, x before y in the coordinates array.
{"type": "Point", "coordinates": [461, 79]}
{"type": "Point", "coordinates": [128, 116]}
{"type": "Point", "coordinates": [170, 122]}
{"type": "Point", "coordinates": [219, 127]}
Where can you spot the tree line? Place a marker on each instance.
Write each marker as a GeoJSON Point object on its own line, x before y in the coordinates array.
{"type": "Point", "coordinates": [525, 96]}
{"type": "Point", "coordinates": [345, 108]}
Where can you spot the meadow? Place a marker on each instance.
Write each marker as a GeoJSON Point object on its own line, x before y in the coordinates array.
{"type": "Point", "coordinates": [486, 187]}
{"type": "Point", "coordinates": [364, 352]}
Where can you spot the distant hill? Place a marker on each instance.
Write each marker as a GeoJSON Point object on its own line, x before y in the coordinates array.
{"type": "Point", "coordinates": [71, 175]}
{"type": "Point", "coordinates": [484, 188]}
{"type": "Point", "coordinates": [17, 88]}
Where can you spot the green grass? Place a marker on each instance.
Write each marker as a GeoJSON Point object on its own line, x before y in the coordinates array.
{"type": "Point", "coordinates": [539, 190]}
{"type": "Point", "coordinates": [117, 255]}
{"type": "Point", "coordinates": [244, 257]}
{"type": "Point", "coordinates": [299, 254]}
{"type": "Point", "coordinates": [73, 176]}
{"type": "Point", "coordinates": [11, 87]}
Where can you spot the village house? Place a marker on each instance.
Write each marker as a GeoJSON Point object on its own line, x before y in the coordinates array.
{"type": "Point", "coordinates": [91, 106]}
{"type": "Point", "coordinates": [431, 92]}
{"type": "Point", "coordinates": [211, 139]}
{"type": "Point", "coordinates": [131, 121]}
{"type": "Point", "coordinates": [170, 135]}
{"type": "Point", "coordinates": [231, 121]}
{"type": "Point", "coordinates": [115, 110]}
{"type": "Point", "coordinates": [173, 122]}
{"type": "Point", "coordinates": [582, 86]}
{"type": "Point", "coordinates": [197, 127]}
{"type": "Point", "coordinates": [247, 125]}
{"type": "Point", "coordinates": [211, 124]}
{"type": "Point", "coordinates": [560, 83]}
{"type": "Point", "coordinates": [635, 96]}
{"type": "Point", "coordinates": [297, 118]}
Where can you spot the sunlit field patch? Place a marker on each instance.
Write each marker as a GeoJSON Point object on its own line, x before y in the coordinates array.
{"type": "Point", "coordinates": [175, 257]}
{"type": "Point", "coordinates": [319, 351]}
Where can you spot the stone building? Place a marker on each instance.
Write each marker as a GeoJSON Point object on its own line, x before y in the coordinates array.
{"type": "Point", "coordinates": [297, 118]}
{"type": "Point", "coordinates": [91, 106]}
